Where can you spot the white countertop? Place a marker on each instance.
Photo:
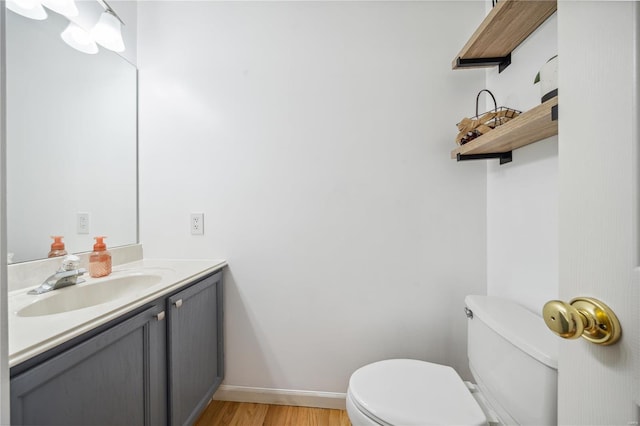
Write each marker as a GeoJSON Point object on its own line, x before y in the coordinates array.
{"type": "Point", "coordinates": [30, 336]}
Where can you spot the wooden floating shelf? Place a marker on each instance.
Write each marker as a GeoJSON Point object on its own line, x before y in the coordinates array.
{"type": "Point", "coordinates": [529, 127]}
{"type": "Point", "coordinates": [508, 24]}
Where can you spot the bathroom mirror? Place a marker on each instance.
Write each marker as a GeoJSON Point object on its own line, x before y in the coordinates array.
{"type": "Point", "coordinates": [71, 142]}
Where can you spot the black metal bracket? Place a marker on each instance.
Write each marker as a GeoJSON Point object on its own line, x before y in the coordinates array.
{"type": "Point", "coordinates": [554, 113]}
{"type": "Point", "coordinates": [502, 62]}
{"type": "Point", "coordinates": [552, 94]}
{"type": "Point", "coordinates": [505, 157]}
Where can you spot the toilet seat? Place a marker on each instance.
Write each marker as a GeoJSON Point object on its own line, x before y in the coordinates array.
{"type": "Point", "coordinates": [411, 392]}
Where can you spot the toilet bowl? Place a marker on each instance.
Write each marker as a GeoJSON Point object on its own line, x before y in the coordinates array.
{"type": "Point", "coordinates": [512, 357]}
{"type": "Point", "coordinates": [410, 392]}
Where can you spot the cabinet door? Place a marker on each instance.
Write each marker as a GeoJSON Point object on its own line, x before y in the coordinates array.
{"type": "Point", "coordinates": [114, 378]}
{"type": "Point", "coordinates": [195, 348]}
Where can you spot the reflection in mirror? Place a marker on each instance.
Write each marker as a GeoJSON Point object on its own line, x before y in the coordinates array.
{"type": "Point", "coordinates": [71, 142]}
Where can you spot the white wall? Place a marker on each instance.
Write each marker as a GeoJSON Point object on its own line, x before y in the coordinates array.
{"type": "Point", "coordinates": [315, 137]}
{"type": "Point", "coordinates": [522, 196]}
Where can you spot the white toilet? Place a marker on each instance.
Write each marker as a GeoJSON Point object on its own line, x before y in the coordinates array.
{"type": "Point", "coordinates": [512, 356]}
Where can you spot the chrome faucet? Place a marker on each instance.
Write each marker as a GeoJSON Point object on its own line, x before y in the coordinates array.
{"type": "Point", "coordinates": [67, 275]}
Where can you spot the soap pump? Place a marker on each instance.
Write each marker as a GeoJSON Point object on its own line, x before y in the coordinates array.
{"type": "Point", "coordinates": [100, 259]}
{"type": "Point", "coordinates": [57, 247]}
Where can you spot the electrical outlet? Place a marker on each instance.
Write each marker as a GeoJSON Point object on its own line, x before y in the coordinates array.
{"type": "Point", "coordinates": [197, 223]}
{"type": "Point", "coordinates": [82, 223]}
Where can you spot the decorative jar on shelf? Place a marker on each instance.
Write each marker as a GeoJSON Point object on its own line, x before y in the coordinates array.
{"type": "Point", "coordinates": [548, 79]}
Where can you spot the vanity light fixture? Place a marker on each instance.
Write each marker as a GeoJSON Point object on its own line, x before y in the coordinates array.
{"type": "Point", "coordinates": [66, 8]}
{"type": "Point", "coordinates": [28, 8]}
{"type": "Point", "coordinates": [78, 38]}
{"type": "Point", "coordinates": [108, 30]}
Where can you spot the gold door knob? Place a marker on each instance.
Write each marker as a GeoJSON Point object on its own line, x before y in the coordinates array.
{"type": "Point", "coordinates": [582, 317]}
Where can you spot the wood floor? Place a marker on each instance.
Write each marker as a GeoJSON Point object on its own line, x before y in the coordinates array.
{"type": "Point", "coordinates": [248, 414]}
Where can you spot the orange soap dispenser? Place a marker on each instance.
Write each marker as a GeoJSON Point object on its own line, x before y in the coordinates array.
{"type": "Point", "coordinates": [100, 259]}
{"type": "Point", "coordinates": [57, 247]}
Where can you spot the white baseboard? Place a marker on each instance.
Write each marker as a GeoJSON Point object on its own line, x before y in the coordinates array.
{"type": "Point", "coordinates": [299, 398]}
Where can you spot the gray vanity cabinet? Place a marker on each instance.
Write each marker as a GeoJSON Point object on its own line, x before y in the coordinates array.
{"type": "Point", "coordinates": [195, 357]}
{"type": "Point", "coordinates": [116, 377]}
{"type": "Point", "coordinates": [157, 367]}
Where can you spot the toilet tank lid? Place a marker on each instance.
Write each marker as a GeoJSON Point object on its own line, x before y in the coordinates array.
{"type": "Point", "coordinates": [524, 329]}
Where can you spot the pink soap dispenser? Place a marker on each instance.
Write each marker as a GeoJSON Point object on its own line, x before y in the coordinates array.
{"type": "Point", "coordinates": [57, 247]}
{"type": "Point", "coordinates": [100, 259]}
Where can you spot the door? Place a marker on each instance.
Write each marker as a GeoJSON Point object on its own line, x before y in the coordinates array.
{"type": "Point", "coordinates": [599, 193]}
{"type": "Point", "coordinates": [4, 344]}
{"type": "Point", "coordinates": [114, 378]}
{"type": "Point", "coordinates": [195, 354]}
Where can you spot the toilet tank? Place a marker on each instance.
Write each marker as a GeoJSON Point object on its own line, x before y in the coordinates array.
{"type": "Point", "coordinates": [513, 358]}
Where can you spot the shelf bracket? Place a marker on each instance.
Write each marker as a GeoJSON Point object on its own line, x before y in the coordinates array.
{"type": "Point", "coordinates": [502, 62]}
{"type": "Point", "coordinates": [505, 157]}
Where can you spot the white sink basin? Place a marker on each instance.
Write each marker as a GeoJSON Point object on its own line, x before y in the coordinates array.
{"type": "Point", "coordinates": [90, 294]}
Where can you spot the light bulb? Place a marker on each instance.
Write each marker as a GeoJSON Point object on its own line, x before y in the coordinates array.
{"type": "Point", "coordinates": [107, 32]}
{"type": "Point", "coordinates": [27, 8]}
{"type": "Point", "coordinates": [78, 38]}
{"type": "Point", "coordinates": [67, 8]}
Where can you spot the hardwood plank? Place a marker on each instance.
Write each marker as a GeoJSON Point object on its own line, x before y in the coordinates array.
{"type": "Point", "coordinates": [308, 416]}
{"type": "Point", "coordinates": [218, 413]}
{"type": "Point", "coordinates": [280, 415]}
{"type": "Point", "coordinates": [321, 416]}
{"type": "Point", "coordinates": [207, 415]}
{"type": "Point", "coordinates": [339, 418]}
{"type": "Point", "coordinates": [249, 414]}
